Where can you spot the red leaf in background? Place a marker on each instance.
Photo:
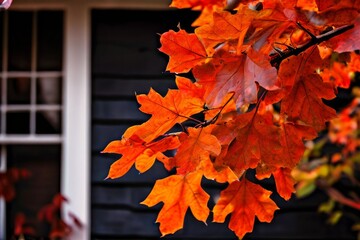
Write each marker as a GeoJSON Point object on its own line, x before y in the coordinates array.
{"type": "Point", "coordinates": [8, 180]}
{"type": "Point", "coordinates": [76, 220]}
{"type": "Point", "coordinates": [58, 200]}
{"type": "Point", "coordinates": [20, 226]}
{"type": "Point", "coordinates": [59, 229]}
{"type": "Point", "coordinates": [48, 213]}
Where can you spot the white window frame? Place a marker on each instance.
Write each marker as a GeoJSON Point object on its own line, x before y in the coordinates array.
{"type": "Point", "coordinates": [76, 158]}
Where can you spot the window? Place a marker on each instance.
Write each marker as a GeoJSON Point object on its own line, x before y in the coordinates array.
{"type": "Point", "coordinates": [72, 141]}
{"type": "Point", "coordinates": [31, 87]}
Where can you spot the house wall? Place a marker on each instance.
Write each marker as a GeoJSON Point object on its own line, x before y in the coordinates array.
{"type": "Point", "coordinates": [125, 60]}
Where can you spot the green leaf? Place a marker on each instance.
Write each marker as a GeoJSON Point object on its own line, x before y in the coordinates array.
{"type": "Point", "coordinates": [306, 190]}
{"type": "Point", "coordinates": [327, 207]}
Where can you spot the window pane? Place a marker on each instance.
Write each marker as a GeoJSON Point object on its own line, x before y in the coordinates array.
{"type": "Point", "coordinates": [18, 122]}
{"type": "Point", "coordinates": [50, 39]}
{"type": "Point", "coordinates": [48, 122]}
{"type": "Point", "coordinates": [43, 163]}
{"type": "Point", "coordinates": [20, 29]}
{"type": "Point", "coordinates": [49, 90]}
{"type": "Point", "coordinates": [18, 91]}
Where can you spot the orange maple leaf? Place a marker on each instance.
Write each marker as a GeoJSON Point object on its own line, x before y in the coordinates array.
{"type": "Point", "coordinates": [196, 4]}
{"type": "Point", "coordinates": [196, 146]}
{"type": "Point", "coordinates": [226, 27]}
{"type": "Point", "coordinates": [292, 141]}
{"type": "Point", "coordinates": [284, 182]}
{"type": "Point", "coordinates": [347, 41]}
{"type": "Point", "coordinates": [232, 73]}
{"type": "Point", "coordinates": [305, 90]}
{"type": "Point", "coordinates": [256, 139]}
{"type": "Point", "coordinates": [338, 74]}
{"type": "Point", "coordinates": [331, 4]}
{"type": "Point", "coordinates": [184, 49]}
{"type": "Point", "coordinates": [135, 150]}
{"type": "Point", "coordinates": [178, 193]}
{"type": "Point", "coordinates": [244, 200]}
{"type": "Point", "coordinates": [176, 107]}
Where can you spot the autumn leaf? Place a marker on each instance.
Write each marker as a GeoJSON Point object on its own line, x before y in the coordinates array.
{"type": "Point", "coordinates": [304, 100]}
{"type": "Point", "coordinates": [292, 142]}
{"type": "Point", "coordinates": [256, 139]}
{"type": "Point", "coordinates": [8, 182]}
{"type": "Point", "coordinates": [309, 5]}
{"type": "Point", "coordinates": [226, 27]}
{"type": "Point", "coordinates": [348, 41]}
{"type": "Point", "coordinates": [269, 25]}
{"type": "Point", "coordinates": [231, 73]}
{"type": "Point", "coordinates": [135, 150]}
{"type": "Point", "coordinates": [244, 200]}
{"type": "Point", "coordinates": [176, 107]}
{"type": "Point", "coordinates": [338, 74]}
{"type": "Point", "coordinates": [196, 146]}
{"type": "Point", "coordinates": [188, 88]}
{"type": "Point", "coordinates": [20, 225]}
{"type": "Point", "coordinates": [196, 4]}
{"type": "Point", "coordinates": [284, 182]}
{"type": "Point", "coordinates": [178, 193]}
{"type": "Point", "coordinates": [217, 172]}
{"type": "Point", "coordinates": [337, 4]}
{"type": "Point", "coordinates": [185, 50]}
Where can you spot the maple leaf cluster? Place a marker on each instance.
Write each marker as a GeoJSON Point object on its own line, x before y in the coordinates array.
{"type": "Point", "coordinates": [50, 214]}
{"type": "Point", "coordinates": [8, 180]}
{"type": "Point", "coordinates": [261, 71]}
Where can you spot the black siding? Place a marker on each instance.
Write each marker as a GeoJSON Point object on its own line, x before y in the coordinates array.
{"type": "Point", "coordinates": [125, 61]}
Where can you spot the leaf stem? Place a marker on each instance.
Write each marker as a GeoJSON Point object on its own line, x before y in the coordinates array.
{"type": "Point", "coordinates": [213, 120]}
{"type": "Point", "coordinates": [306, 30]}
{"type": "Point", "coordinates": [278, 58]}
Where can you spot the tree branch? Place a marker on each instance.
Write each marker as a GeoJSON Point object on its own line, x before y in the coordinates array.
{"type": "Point", "coordinates": [278, 58]}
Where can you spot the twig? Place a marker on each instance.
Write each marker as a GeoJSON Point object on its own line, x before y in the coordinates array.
{"type": "Point", "coordinates": [278, 58]}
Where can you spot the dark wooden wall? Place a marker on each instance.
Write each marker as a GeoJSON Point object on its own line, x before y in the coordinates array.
{"type": "Point", "coordinates": [125, 60]}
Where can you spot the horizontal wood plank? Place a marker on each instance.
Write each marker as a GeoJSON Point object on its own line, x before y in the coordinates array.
{"type": "Point", "coordinates": [103, 134]}
{"type": "Point", "coordinates": [118, 87]}
{"type": "Point", "coordinates": [303, 225]}
{"type": "Point", "coordinates": [124, 110]}
{"type": "Point", "coordinates": [102, 163]}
